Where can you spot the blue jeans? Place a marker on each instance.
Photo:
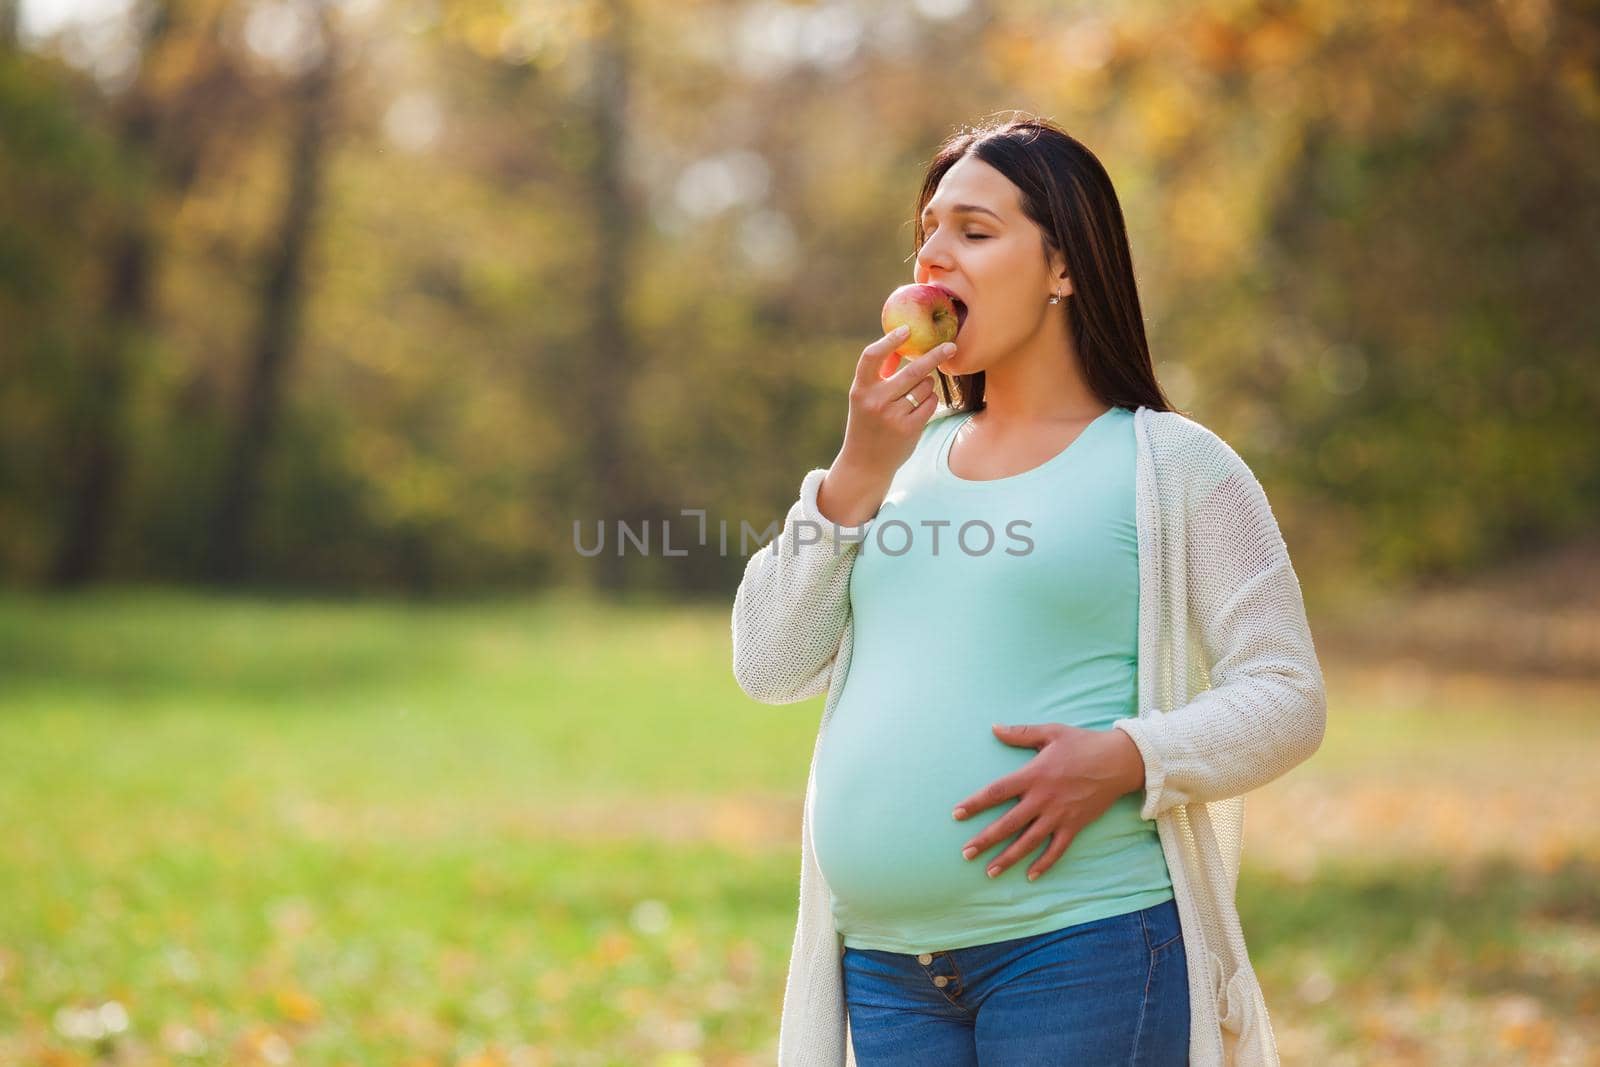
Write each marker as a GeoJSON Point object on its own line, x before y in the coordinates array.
{"type": "Point", "coordinates": [1112, 991]}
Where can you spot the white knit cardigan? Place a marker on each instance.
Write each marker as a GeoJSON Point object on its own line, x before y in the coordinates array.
{"type": "Point", "coordinates": [1230, 696]}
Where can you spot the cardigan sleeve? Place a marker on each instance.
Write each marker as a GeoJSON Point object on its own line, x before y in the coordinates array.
{"type": "Point", "coordinates": [790, 611]}
{"type": "Point", "coordinates": [1266, 709]}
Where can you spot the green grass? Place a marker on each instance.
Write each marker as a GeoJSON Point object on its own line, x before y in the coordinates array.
{"type": "Point", "coordinates": [545, 832]}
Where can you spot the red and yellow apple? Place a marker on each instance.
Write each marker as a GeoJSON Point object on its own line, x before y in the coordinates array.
{"type": "Point", "coordinates": [932, 313]}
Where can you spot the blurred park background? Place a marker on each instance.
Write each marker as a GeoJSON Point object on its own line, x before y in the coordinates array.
{"type": "Point", "coordinates": [322, 322]}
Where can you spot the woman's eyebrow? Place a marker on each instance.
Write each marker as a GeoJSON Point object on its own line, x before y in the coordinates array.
{"type": "Point", "coordinates": [964, 209]}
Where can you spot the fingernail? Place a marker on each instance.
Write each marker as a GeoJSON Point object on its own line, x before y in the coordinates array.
{"type": "Point", "coordinates": [1032, 875]}
{"type": "Point", "coordinates": [993, 871]}
{"type": "Point", "coordinates": [901, 330]}
{"type": "Point", "coordinates": [959, 813]}
{"type": "Point", "coordinates": [968, 853]}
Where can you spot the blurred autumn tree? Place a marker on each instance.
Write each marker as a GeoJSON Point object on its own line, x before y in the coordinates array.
{"type": "Point", "coordinates": [396, 313]}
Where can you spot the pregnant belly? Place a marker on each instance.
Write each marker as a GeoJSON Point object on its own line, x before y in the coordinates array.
{"type": "Point", "coordinates": [881, 825]}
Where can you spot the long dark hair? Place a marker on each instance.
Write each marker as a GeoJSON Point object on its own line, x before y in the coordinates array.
{"type": "Point", "coordinates": [1068, 194]}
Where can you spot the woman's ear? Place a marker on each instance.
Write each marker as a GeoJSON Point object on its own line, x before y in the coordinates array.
{"type": "Point", "coordinates": [1058, 268]}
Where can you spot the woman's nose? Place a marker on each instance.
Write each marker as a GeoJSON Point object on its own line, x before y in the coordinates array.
{"type": "Point", "coordinates": [927, 258]}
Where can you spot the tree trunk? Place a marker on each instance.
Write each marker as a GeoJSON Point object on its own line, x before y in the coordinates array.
{"type": "Point", "coordinates": [283, 297]}
{"type": "Point", "coordinates": [99, 451]}
{"type": "Point", "coordinates": [604, 378]}
{"type": "Point", "coordinates": [100, 444]}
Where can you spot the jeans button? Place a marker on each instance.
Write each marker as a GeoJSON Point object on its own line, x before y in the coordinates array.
{"type": "Point", "coordinates": [925, 959]}
{"type": "Point", "coordinates": [941, 981]}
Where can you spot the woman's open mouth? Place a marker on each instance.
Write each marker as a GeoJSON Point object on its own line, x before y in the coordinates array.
{"type": "Point", "coordinates": [957, 303]}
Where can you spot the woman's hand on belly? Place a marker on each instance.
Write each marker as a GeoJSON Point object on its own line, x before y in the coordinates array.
{"type": "Point", "coordinates": [1076, 776]}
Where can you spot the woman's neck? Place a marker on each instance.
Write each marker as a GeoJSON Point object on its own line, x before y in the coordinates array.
{"type": "Point", "coordinates": [1038, 386]}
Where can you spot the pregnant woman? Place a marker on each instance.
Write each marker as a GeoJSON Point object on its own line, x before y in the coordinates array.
{"type": "Point", "coordinates": [1060, 638]}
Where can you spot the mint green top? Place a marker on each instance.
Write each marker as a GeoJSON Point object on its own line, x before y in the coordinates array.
{"type": "Point", "coordinates": [1031, 618]}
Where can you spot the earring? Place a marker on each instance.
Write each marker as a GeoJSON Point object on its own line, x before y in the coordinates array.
{"type": "Point", "coordinates": [1055, 299]}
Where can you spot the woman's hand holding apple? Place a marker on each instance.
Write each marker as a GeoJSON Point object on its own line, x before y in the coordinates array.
{"type": "Point", "coordinates": [882, 430]}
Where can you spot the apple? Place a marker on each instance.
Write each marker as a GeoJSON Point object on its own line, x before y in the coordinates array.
{"type": "Point", "coordinates": [933, 313]}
